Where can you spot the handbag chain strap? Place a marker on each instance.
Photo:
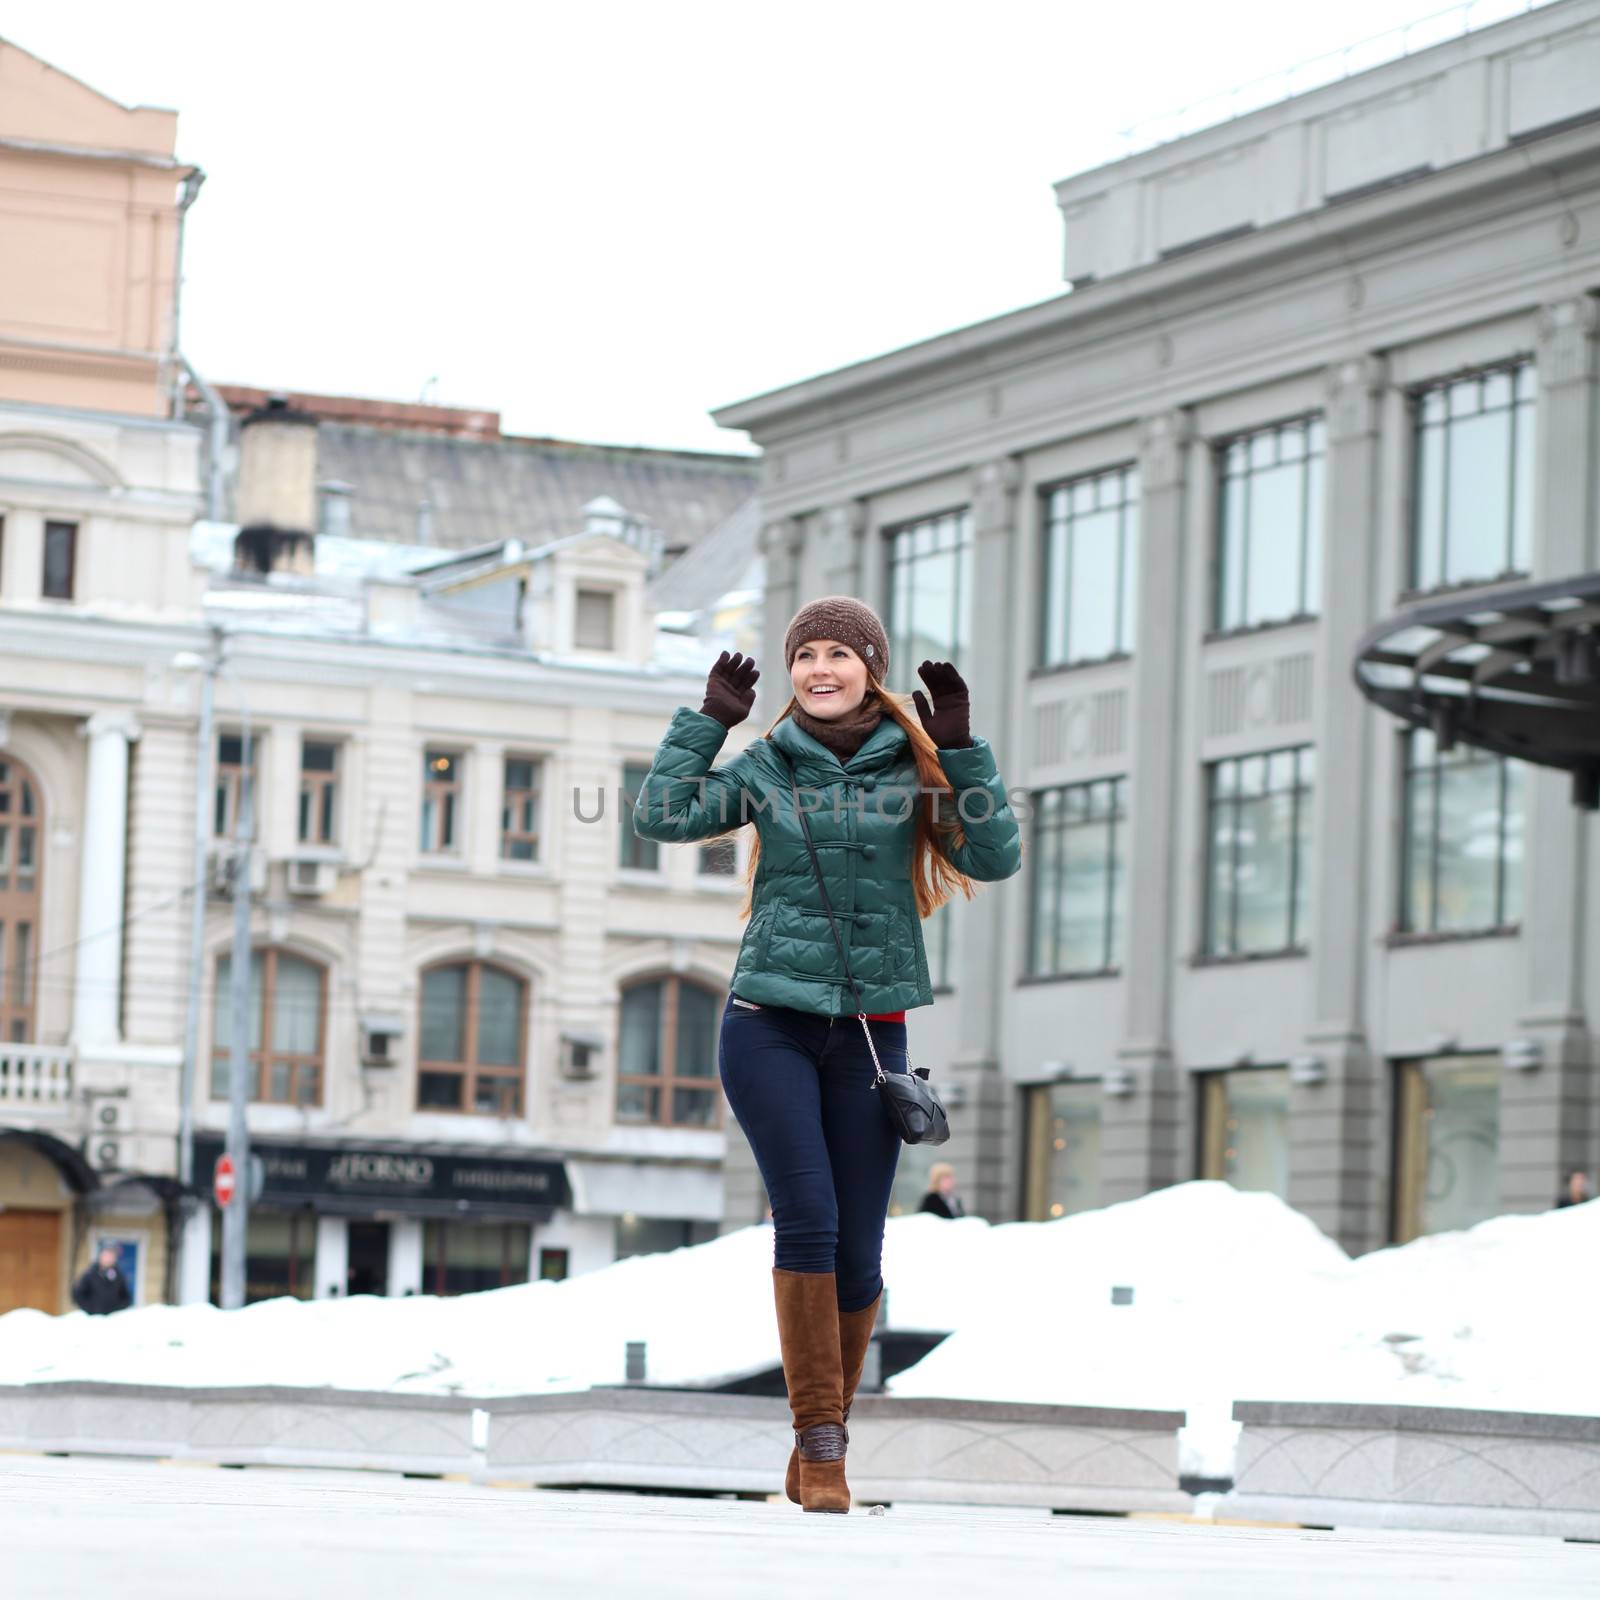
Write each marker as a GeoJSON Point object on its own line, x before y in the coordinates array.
{"type": "Point", "coordinates": [827, 905]}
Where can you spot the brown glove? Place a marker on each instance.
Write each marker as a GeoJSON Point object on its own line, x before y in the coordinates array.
{"type": "Point", "coordinates": [948, 724]}
{"type": "Point", "coordinates": [730, 689]}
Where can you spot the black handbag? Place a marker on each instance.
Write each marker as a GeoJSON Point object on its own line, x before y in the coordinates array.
{"type": "Point", "coordinates": [910, 1100]}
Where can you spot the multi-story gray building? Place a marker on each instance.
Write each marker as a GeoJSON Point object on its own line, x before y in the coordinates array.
{"type": "Point", "coordinates": [1310, 363]}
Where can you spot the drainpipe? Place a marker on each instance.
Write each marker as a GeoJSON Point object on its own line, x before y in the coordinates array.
{"type": "Point", "coordinates": [219, 439]}
{"type": "Point", "coordinates": [193, 179]}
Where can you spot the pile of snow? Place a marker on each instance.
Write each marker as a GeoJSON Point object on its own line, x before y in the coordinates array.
{"type": "Point", "coordinates": [1235, 1297]}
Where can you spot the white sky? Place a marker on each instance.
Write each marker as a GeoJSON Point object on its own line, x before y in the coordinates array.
{"type": "Point", "coordinates": [604, 217]}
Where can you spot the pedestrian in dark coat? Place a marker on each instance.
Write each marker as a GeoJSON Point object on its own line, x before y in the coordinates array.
{"type": "Point", "coordinates": [1577, 1190]}
{"type": "Point", "coordinates": [941, 1199]}
{"type": "Point", "coordinates": [102, 1289]}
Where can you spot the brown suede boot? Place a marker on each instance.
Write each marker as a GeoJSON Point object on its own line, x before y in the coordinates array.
{"type": "Point", "coordinates": [855, 1335]}
{"type": "Point", "coordinates": [808, 1335]}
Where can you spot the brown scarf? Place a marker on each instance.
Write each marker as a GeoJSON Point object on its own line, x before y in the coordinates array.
{"type": "Point", "coordinates": [843, 735]}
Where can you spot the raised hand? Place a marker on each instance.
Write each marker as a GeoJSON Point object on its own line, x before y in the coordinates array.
{"type": "Point", "coordinates": [730, 689]}
{"type": "Point", "coordinates": [949, 722]}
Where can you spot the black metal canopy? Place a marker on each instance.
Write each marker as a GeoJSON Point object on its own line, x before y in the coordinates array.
{"type": "Point", "coordinates": [1514, 670]}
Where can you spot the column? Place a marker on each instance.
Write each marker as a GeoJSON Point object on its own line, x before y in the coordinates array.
{"type": "Point", "coordinates": [405, 1257]}
{"type": "Point", "coordinates": [97, 998]}
{"type": "Point", "coordinates": [1336, 1156]}
{"type": "Point", "coordinates": [980, 1127]}
{"type": "Point", "coordinates": [331, 1271]}
{"type": "Point", "coordinates": [1140, 1129]}
{"type": "Point", "coordinates": [485, 796]}
{"type": "Point", "coordinates": [1546, 1112]}
{"type": "Point", "coordinates": [194, 1259]}
{"type": "Point", "coordinates": [780, 549]}
{"type": "Point", "coordinates": [843, 529]}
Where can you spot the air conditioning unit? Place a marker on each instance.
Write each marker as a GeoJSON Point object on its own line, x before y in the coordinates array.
{"type": "Point", "coordinates": [223, 864]}
{"type": "Point", "coordinates": [381, 1033]}
{"type": "Point", "coordinates": [580, 1056]}
{"type": "Point", "coordinates": [310, 875]}
{"type": "Point", "coordinates": [108, 1123]}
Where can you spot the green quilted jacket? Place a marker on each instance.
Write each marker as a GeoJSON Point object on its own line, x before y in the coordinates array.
{"type": "Point", "coordinates": [862, 822]}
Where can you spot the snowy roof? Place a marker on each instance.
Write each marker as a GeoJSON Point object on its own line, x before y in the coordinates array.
{"type": "Point", "coordinates": [728, 558]}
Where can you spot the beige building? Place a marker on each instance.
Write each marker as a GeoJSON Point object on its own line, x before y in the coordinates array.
{"type": "Point", "coordinates": [483, 1038]}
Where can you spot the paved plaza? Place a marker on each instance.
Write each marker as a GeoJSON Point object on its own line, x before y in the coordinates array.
{"type": "Point", "coordinates": [139, 1530]}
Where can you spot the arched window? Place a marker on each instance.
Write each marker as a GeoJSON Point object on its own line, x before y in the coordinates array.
{"type": "Point", "coordinates": [473, 1038]}
{"type": "Point", "coordinates": [21, 849]}
{"type": "Point", "coordinates": [288, 1023]}
{"type": "Point", "coordinates": [667, 1055]}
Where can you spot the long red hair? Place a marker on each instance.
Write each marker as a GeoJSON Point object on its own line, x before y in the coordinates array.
{"type": "Point", "coordinates": [933, 879]}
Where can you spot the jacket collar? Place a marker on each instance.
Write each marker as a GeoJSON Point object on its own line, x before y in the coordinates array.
{"type": "Point", "coordinates": [881, 749]}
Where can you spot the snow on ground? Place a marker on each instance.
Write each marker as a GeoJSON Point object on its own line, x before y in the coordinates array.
{"type": "Point", "coordinates": [1235, 1297]}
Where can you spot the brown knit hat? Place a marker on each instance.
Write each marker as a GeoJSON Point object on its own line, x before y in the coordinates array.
{"type": "Point", "coordinates": [851, 622]}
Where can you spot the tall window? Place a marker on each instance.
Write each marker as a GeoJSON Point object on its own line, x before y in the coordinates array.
{"type": "Point", "coordinates": [319, 792]}
{"type": "Point", "coordinates": [1269, 554]}
{"type": "Point", "coordinates": [1244, 1128]}
{"type": "Point", "coordinates": [930, 590]}
{"type": "Point", "coordinates": [1463, 838]}
{"type": "Point", "coordinates": [1447, 1119]}
{"type": "Point", "coordinates": [1258, 853]}
{"type": "Point", "coordinates": [519, 809]}
{"type": "Point", "coordinates": [287, 1026]}
{"type": "Point", "coordinates": [441, 803]}
{"type": "Point", "coordinates": [1091, 568]}
{"type": "Point", "coordinates": [641, 855]}
{"type": "Point", "coordinates": [464, 1257]}
{"type": "Point", "coordinates": [719, 858]}
{"type": "Point", "coordinates": [1472, 503]}
{"type": "Point", "coordinates": [235, 769]}
{"type": "Point", "coordinates": [60, 560]}
{"type": "Point", "coordinates": [667, 1057]}
{"type": "Point", "coordinates": [594, 621]}
{"type": "Point", "coordinates": [21, 830]}
{"type": "Point", "coordinates": [473, 1040]}
{"type": "Point", "coordinates": [1078, 836]}
{"type": "Point", "coordinates": [1061, 1171]}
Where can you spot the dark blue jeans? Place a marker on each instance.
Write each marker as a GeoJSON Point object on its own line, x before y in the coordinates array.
{"type": "Point", "coordinates": [801, 1087]}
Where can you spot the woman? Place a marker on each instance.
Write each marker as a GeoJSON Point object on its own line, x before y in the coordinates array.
{"type": "Point", "coordinates": [941, 1198]}
{"type": "Point", "coordinates": [902, 812]}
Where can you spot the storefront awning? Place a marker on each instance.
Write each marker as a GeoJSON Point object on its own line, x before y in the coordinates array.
{"type": "Point", "coordinates": [647, 1189]}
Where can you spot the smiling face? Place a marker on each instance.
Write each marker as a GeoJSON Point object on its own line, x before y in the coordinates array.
{"type": "Point", "coordinates": [829, 678]}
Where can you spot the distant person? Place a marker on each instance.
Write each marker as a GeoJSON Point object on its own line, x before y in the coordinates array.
{"type": "Point", "coordinates": [1576, 1191]}
{"type": "Point", "coordinates": [102, 1289]}
{"type": "Point", "coordinates": [941, 1198]}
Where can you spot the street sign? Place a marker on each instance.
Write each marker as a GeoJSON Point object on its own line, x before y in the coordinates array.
{"type": "Point", "coordinates": [223, 1184]}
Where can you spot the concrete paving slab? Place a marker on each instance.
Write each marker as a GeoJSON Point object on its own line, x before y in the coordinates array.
{"type": "Point", "coordinates": [142, 1530]}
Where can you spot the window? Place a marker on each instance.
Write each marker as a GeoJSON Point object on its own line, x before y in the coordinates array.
{"type": "Point", "coordinates": [287, 1004]}
{"type": "Point", "coordinates": [1472, 499]}
{"type": "Point", "coordinates": [1258, 858]}
{"type": "Point", "coordinates": [644, 1236]}
{"type": "Point", "coordinates": [667, 1058]}
{"type": "Point", "coordinates": [441, 802]}
{"type": "Point", "coordinates": [1463, 838]}
{"type": "Point", "coordinates": [1447, 1124]}
{"type": "Point", "coordinates": [234, 770]}
{"type": "Point", "coordinates": [21, 830]}
{"type": "Point", "coordinates": [1244, 1128]}
{"type": "Point", "coordinates": [1061, 1171]}
{"type": "Point", "coordinates": [319, 792]}
{"type": "Point", "coordinates": [1078, 837]}
{"type": "Point", "coordinates": [1269, 548]}
{"type": "Point", "coordinates": [60, 560]}
{"type": "Point", "coordinates": [594, 621]}
{"type": "Point", "coordinates": [639, 855]}
{"type": "Point", "coordinates": [930, 590]}
{"type": "Point", "coordinates": [473, 1035]}
{"type": "Point", "coordinates": [519, 810]}
{"type": "Point", "coordinates": [464, 1257]}
{"type": "Point", "coordinates": [335, 501]}
{"type": "Point", "coordinates": [554, 1263]}
{"type": "Point", "coordinates": [719, 858]}
{"type": "Point", "coordinates": [1091, 568]}
{"type": "Point", "coordinates": [279, 1256]}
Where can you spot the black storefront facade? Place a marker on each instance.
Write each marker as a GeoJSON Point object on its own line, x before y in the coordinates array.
{"type": "Point", "coordinates": [332, 1220]}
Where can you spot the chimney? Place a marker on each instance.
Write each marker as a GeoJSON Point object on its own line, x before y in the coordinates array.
{"type": "Point", "coordinates": [277, 490]}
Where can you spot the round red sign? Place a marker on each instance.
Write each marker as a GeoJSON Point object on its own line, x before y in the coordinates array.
{"type": "Point", "coordinates": [223, 1183]}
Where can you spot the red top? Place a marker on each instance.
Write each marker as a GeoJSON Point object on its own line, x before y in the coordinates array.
{"type": "Point", "coordinates": [886, 1016]}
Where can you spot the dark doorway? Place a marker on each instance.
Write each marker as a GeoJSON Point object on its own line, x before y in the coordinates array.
{"type": "Point", "coordinates": [368, 1263]}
